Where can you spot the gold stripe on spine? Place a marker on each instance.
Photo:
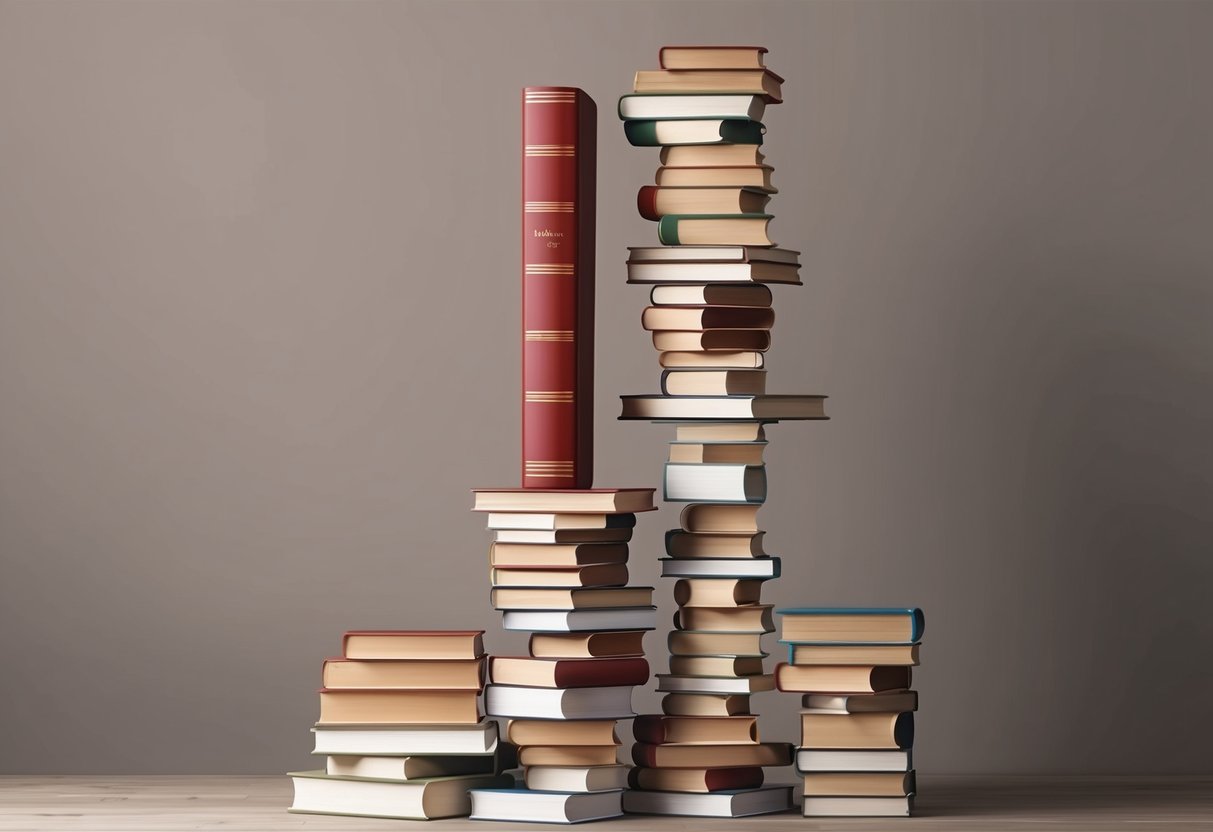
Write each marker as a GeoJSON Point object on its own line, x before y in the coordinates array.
{"type": "Point", "coordinates": [548, 468]}
{"type": "Point", "coordinates": [547, 207]}
{"type": "Point", "coordinates": [548, 335]}
{"type": "Point", "coordinates": [550, 150]}
{"type": "Point", "coordinates": [549, 396]}
{"type": "Point", "coordinates": [548, 268]}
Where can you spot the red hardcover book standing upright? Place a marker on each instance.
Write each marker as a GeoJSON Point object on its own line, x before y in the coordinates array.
{"type": "Point", "coordinates": [559, 132]}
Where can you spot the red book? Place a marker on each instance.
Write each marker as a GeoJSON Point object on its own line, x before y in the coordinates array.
{"type": "Point", "coordinates": [526, 671]}
{"type": "Point", "coordinates": [559, 131]}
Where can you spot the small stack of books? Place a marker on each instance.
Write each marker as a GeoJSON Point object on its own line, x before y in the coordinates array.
{"type": "Point", "coordinates": [401, 727]}
{"type": "Point", "coordinates": [559, 562]}
{"type": "Point", "coordinates": [857, 726]}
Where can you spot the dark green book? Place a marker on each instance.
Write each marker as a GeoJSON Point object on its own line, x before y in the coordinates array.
{"type": "Point", "coordinates": [665, 132]}
{"type": "Point", "coordinates": [714, 230]}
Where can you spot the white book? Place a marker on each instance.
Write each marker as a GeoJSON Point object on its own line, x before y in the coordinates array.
{"type": "Point", "coordinates": [552, 521]}
{"type": "Point", "coordinates": [692, 106]}
{"type": "Point", "coordinates": [730, 804]}
{"type": "Point", "coordinates": [715, 483]}
{"type": "Point", "coordinates": [558, 703]}
{"type": "Point", "coordinates": [859, 807]}
{"type": "Point", "coordinates": [528, 806]}
{"type": "Point", "coordinates": [720, 567]}
{"type": "Point", "coordinates": [812, 759]}
{"type": "Point", "coordinates": [711, 254]}
{"type": "Point", "coordinates": [579, 621]}
{"type": "Point", "coordinates": [768, 408]}
{"type": "Point", "coordinates": [404, 740]}
{"type": "Point", "coordinates": [576, 778]}
{"type": "Point", "coordinates": [669, 683]}
{"type": "Point", "coordinates": [437, 797]}
{"type": "Point", "coordinates": [411, 768]}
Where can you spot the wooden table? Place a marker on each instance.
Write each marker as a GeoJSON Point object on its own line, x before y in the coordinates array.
{"type": "Point", "coordinates": [258, 804]}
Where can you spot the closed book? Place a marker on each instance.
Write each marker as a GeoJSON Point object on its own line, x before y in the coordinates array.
{"type": "Point", "coordinates": [857, 625]}
{"type": "Point", "coordinates": [757, 177]}
{"type": "Point", "coordinates": [549, 536]}
{"type": "Point", "coordinates": [717, 340]}
{"type": "Point", "coordinates": [506, 555]}
{"type": "Point", "coordinates": [594, 501]}
{"type": "Point", "coordinates": [413, 644]}
{"type": "Point", "coordinates": [439, 797]}
{"type": "Point", "coordinates": [576, 778]}
{"type": "Point", "coordinates": [546, 521]}
{"type": "Point", "coordinates": [893, 701]}
{"type": "Point", "coordinates": [705, 704]}
{"type": "Point", "coordinates": [721, 294]}
{"type": "Point", "coordinates": [561, 598]}
{"type": "Point", "coordinates": [580, 621]}
{"type": "Point", "coordinates": [528, 806]}
{"type": "Point", "coordinates": [684, 544]}
{"type": "Point", "coordinates": [861, 654]}
{"type": "Point", "coordinates": [753, 81]}
{"type": "Point", "coordinates": [711, 57]}
{"type": "Point", "coordinates": [711, 155]}
{"type": "Point", "coordinates": [672, 272]}
{"type": "Point", "coordinates": [841, 678]}
{"type": "Point", "coordinates": [559, 135]}
{"type": "Point", "coordinates": [669, 683]}
{"type": "Point", "coordinates": [586, 645]}
{"type": "Point", "coordinates": [562, 732]}
{"type": "Point", "coordinates": [363, 739]}
{"type": "Point", "coordinates": [716, 665]}
{"type": "Point", "coordinates": [761, 568]}
{"type": "Point", "coordinates": [569, 755]}
{"type": "Point", "coordinates": [688, 408]}
{"type": "Point", "coordinates": [413, 707]}
{"type": "Point", "coordinates": [601, 574]}
{"type": "Point", "coordinates": [859, 784]}
{"type": "Point", "coordinates": [654, 202]}
{"type": "Point", "coordinates": [656, 133]}
{"type": "Point", "coordinates": [716, 592]}
{"type": "Point", "coordinates": [415, 675]}
{"type": "Point", "coordinates": [857, 807]}
{"type": "Point", "coordinates": [815, 759]}
{"type": "Point", "coordinates": [716, 359]}
{"type": "Point", "coordinates": [695, 318]}
{"type": "Point", "coordinates": [694, 483]}
{"type": "Point", "coordinates": [700, 256]}
{"type": "Point", "coordinates": [695, 780]}
{"type": "Point", "coordinates": [414, 767]}
{"type": "Point", "coordinates": [710, 382]}
{"type": "Point", "coordinates": [751, 619]}
{"type": "Point", "coordinates": [656, 730]}
{"type": "Point", "coordinates": [855, 731]}
{"type": "Point", "coordinates": [718, 519]}
{"type": "Point", "coordinates": [557, 703]}
{"type": "Point", "coordinates": [691, 106]}
{"type": "Point", "coordinates": [723, 804]}
{"type": "Point", "coordinates": [567, 673]}
{"type": "Point", "coordinates": [712, 756]}
{"type": "Point", "coordinates": [689, 643]}
{"type": "Point", "coordinates": [714, 229]}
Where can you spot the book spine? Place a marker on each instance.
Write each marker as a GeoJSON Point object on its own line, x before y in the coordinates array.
{"type": "Point", "coordinates": [559, 128]}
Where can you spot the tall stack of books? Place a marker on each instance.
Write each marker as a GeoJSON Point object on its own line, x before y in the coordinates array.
{"type": "Point", "coordinates": [401, 728]}
{"type": "Point", "coordinates": [559, 572]}
{"type": "Point", "coordinates": [857, 726]}
{"type": "Point", "coordinates": [711, 318]}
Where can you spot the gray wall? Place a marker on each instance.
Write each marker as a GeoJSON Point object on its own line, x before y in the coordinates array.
{"type": "Point", "coordinates": [258, 327]}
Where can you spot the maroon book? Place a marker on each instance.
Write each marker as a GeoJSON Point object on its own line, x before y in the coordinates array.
{"type": "Point", "coordinates": [527, 671]}
{"type": "Point", "coordinates": [559, 129]}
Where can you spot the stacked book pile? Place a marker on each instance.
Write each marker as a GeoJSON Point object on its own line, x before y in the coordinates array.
{"type": "Point", "coordinates": [857, 726]}
{"type": "Point", "coordinates": [711, 318]}
{"type": "Point", "coordinates": [401, 728]}
{"type": "Point", "coordinates": [559, 572]}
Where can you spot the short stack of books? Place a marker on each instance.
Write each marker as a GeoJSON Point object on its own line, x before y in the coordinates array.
{"type": "Point", "coordinates": [857, 727]}
{"type": "Point", "coordinates": [710, 316]}
{"type": "Point", "coordinates": [559, 572]}
{"type": "Point", "coordinates": [401, 727]}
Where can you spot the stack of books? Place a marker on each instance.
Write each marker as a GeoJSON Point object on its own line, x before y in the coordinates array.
{"type": "Point", "coordinates": [711, 316]}
{"type": "Point", "coordinates": [857, 726]}
{"type": "Point", "coordinates": [559, 572]}
{"type": "Point", "coordinates": [401, 728]}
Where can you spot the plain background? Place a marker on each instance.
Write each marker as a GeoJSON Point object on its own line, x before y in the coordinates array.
{"type": "Point", "coordinates": [258, 338]}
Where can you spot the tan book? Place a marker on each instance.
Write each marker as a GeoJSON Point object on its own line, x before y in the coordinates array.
{"type": "Point", "coordinates": [728, 340]}
{"type": "Point", "coordinates": [704, 704]}
{"type": "Point", "coordinates": [863, 626]}
{"type": "Point", "coordinates": [841, 678]}
{"type": "Point", "coordinates": [696, 730]}
{"type": "Point", "coordinates": [716, 665]}
{"type": "Point", "coordinates": [753, 271]}
{"type": "Point", "coordinates": [698, 318]}
{"type": "Point", "coordinates": [893, 701]}
{"type": "Point", "coordinates": [710, 518]}
{"type": "Point", "coordinates": [713, 592]}
{"type": "Point", "coordinates": [568, 755]}
{"type": "Point", "coordinates": [410, 707]}
{"type": "Point", "coordinates": [556, 554]}
{"type": "Point", "coordinates": [745, 453]}
{"type": "Point", "coordinates": [711, 57]}
{"type": "Point", "coordinates": [715, 359]}
{"type": "Point", "coordinates": [724, 756]}
{"type": "Point", "coordinates": [340, 674]}
{"type": "Point", "coordinates": [655, 201]}
{"type": "Point", "coordinates": [860, 654]}
{"type": "Point", "coordinates": [550, 536]}
{"type": "Point", "coordinates": [600, 574]}
{"type": "Point", "coordinates": [752, 619]}
{"type": "Point", "coordinates": [695, 780]}
{"type": "Point", "coordinates": [757, 177]}
{"type": "Point", "coordinates": [413, 644]}
{"type": "Point", "coordinates": [751, 431]}
{"type": "Point", "coordinates": [742, 685]}
{"type": "Point", "coordinates": [687, 643]}
{"type": "Point", "coordinates": [555, 522]}
{"type": "Point", "coordinates": [753, 81]}
{"type": "Point", "coordinates": [526, 732]}
{"type": "Point", "coordinates": [713, 155]}
{"type": "Point", "coordinates": [412, 767]}
{"type": "Point", "coordinates": [859, 783]}
{"type": "Point", "coordinates": [559, 598]}
{"type": "Point", "coordinates": [717, 294]}
{"type": "Point", "coordinates": [858, 731]}
{"type": "Point", "coordinates": [684, 544]}
{"type": "Point", "coordinates": [560, 501]}
{"type": "Point", "coordinates": [527, 671]}
{"type": "Point", "coordinates": [587, 645]}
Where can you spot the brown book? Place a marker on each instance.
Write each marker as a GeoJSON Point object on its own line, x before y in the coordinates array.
{"type": "Point", "coordinates": [715, 592]}
{"type": "Point", "coordinates": [543, 598]}
{"type": "Point", "coordinates": [695, 780]}
{"type": "Point", "coordinates": [556, 554]}
{"type": "Point", "coordinates": [341, 674]}
{"type": "Point", "coordinates": [752, 431]}
{"type": "Point", "coordinates": [753, 177]}
{"type": "Point", "coordinates": [413, 644]}
{"type": "Point", "coordinates": [886, 626]}
{"type": "Point", "coordinates": [711, 155]}
{"type": "Point", "coordinates": [711, 57]}
{"type": "Point", "coordinates": [700, 318]}
{"type": "Point", "coordinates": [743, 453]}
{"type": "Point", "coordinates": [599, 574]}
{"type": "Point", "coordinates": [525, 671]}
{"type": "Point", "coordinates": [859, 783]}
{"type": "Point", "coordinates": [684, 544]}
{"type": "Point", "coordinates": [397, 707]}
{"type": "Point", "coordinates": [711, 360]}
{"type": "Point", "coordinates": [565, 501]}
{"type": "Point", "coordinates": [711, 294]}
{"type": "Point", "coordinates": [654, 202]}
{"type": "Point", "coordinates": [705, 704]}
{"type": "Point", "coordinates": [840, 678]}
{"type": "Point", "coordinates": [751, 619]}
{"type": "Point", "coordinates": [526, 732]}
{"type": "Point", "coordinates": [719, 756]}
{"type": "Point", "coordinates": [716, 665]}
{"type": "Point", "coordinates": [550, 521]}
{"type": "Point", "coordinates": [549, 536]}
{"type": "Point", "coordinates": [587, 645]}
{"type": "Point", "coordinates": [859, 654]}
{"type": "Point", "coordinates": [708, 518]}
{"type": "Point", "coordinates": [703, 81]}
{"type": "Point", "coordinates": [688, 643]}
{"type": "Point", "coordinates": [568, 755]}
{"type": "Point", "coordinates": [696, 730]}
{"type": "Point", "coordinates": [893, 701]}
{"type": "Point", "coordinates": [857, 731]}
{"type": "Point", "coordinates": [732, 340]}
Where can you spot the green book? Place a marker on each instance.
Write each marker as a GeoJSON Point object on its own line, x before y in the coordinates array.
{"type": "Point", "coordinates": [665, 132]}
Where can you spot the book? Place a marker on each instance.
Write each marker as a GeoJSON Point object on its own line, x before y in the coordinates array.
{"type": "Point", "coordinates": [841, 678]}
{"type": "Point", "coordinates": [547, 536]}
{"type": "Point", "coordinates": [752, 619]}
{"type": "Point", "coordinates": [340, 673]}
{"type": "Point", "coordinates": [716, 665]}
{"type": "Point", "coordinates": [711, 155]}
{"type": "Point", "coordinates": [720, 432]}
{"type": "Point", "coordinates": [694, 483]}
{"type": "Point", "coordinates": [893, 701]}
{"type": "Point", "coordinates": [563, 598]}
{"type": "Point", "coordinates": [662, 107]}
{"type": "Point", "coordinates": [769, 407]}
{"type": "Point", "coordinates": [860, 654]}
{"type": "Point", "coordinates": [751, 271]}
{"type": "Point", "coordinates": [656, 729]}
{"type": "Point", "coordinates": [505, 555]}
{"type": "Point", "coordinates": [567, 673]}
{"type": "Point", "coordinates": [719, 294]}
{"type": "Point", "coordinates": [528, 806]}
{"type": "Point", "coordinates": [752, 81]}
{"type": "Point", "coordinates": [744, 359]}
{"type": "Point", "coordinates": [698, 318]}
{"type": "Point", "coordinates": [705, 704]}
{"type": "Point", "coordinates": [714, 229]}
{"type": "Point", "coordinates": [586, 645]}
{"type": "Point", "coordinates": [881, 625]}
{"type": "Point", "coordinates": [714, 383]}
{"type": "Point", "coordinates": [859, 784]}
{"type": "Point", "coordinates": [579, 621]}
{"type": "Point", "coordinates": [684, 544]}
{"type": "Point", "coordinates": [594, 575]}
{"type": "Point", "coordinates": [757, 177]}
{"type": "Point", "coordinates": [702, 255]}
{"type": "Point", "coordinates": [856, 731]}
{"type": "Point", "coordinates": [568, 755]}
{"type": "Point", "coordinates": [815, 759]}
{"type": "Point", "coordinates": [760, 568]}
{"type": "Point", "coordinates": [882, 807]}
{"type": "Point", "coordinates": [594, 501]}
{"type": "Point", "coordinates": [654, 202]}
{"type": "Point", "coordinates": [404, 740]}
{"type": "Point", "coordinates": [698, 780]}
{"type": "Point", "coordinates": [669, 683]}
{"type": "Point", "coordinates": [390, 706]}
{"type": "Point", "coordinates": [711, 57]}
{"type": "Point", "coordinates": [727, 755]}
{"type": "Point", "coordinates": [656, 133]}
{"type": "Point", "coordinates": [576, 778]}
{"type": "Point", "coordinates": [723, 804]}
{"type": "Point", "coordinates": [557, 703]}
{"type": "Point", "coordinates": [413, 767]}
{"type": "Point", "coordinates": [689, 643]}
{"type": "Point", "coordinates": [526, 732]}
{"type": "Point", "coordinates": [544, 521]}
{"type": "Point", "coordinates": [722, 340]}
{"type": "Point", "coordinates": [559, 163]}
{"type": "Point", "coordinates": [413, 644]}
{"type": "Point", "coordinates": [714, 592]}
{"type": "Point", "coordinates": [437, 797]}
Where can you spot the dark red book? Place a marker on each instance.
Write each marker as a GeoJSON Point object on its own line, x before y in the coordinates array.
{"type": "Point", "coordinates": [694, 779]}
{"type": "Point", "coordinates": [526, 671]}
{"type": "Point", "coordinates": [559, 131]}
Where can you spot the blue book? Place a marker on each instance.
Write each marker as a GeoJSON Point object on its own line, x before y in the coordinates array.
{"type": "Point", "coordinates": [852, 625]}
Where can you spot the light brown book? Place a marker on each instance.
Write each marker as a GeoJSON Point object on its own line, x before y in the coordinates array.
{"type": "Point", "coordinates": [684, 544]}
{"type": "Point", "coordinates": [575, 779]}
{"type": "Point", "coordinates": [694, 81]}
{"type": "Point", "coordinates": [527, 671]}
{"type": "Point", "coordinates": [752, 619]}
{"type": "Point", "coordinates": [686, 643]}
{"type": "Point", "coordinates": [716, 665]}
{"type": "Point", "coordinates": [858, 731]}
{"type": "Point", "coordinates": [700, 318]}
{"type": "Point", "coordinates": [711, 57]}
{"type": "Point", "coordinates": [547, 521]}
{"type": "Point", "coordinates": [695, 780]}
{"type": "Point", "coordinates": [526, 732]}
{"type": "Point", "coordinates": [568, 755]}
{"type": "Point", "coordinates": [841, 678]}
{"type": "Point", "coordinates": [559, 598]}
{"type": "Point", "coordinates": [696, 730]}
{"type": "Point", "coordinates": [412, 767]}
{"type": "Point", "coordinates": [413, 644]}
{"type": "Point", "coordinates": [710, 518]}
{"type": "Point", "coordinates": [704, 704]}
{"type": "Point", "coordinates": [713, 592]}
{"type": "Point", "coordinates": [888, 626]}
{"type": "Point", "coordinates": [339, 674]}
{"type": "Point", "coordinates": [395, 707]}
{"type": "Point", "coordinates": [724, 685]}
{"type": "Point", "coordinates": [561, 501]}
{"type": "Point", "coordinates": [556, 554]}
{"type": "Point", "coordinates": [655, 201]}
{"type": "Point", "coordinates": [861, 654]}
{"type": "Point", "coordinates": [720, 294]}
{"type": "Point", "coordinates": [721, 756]}
{"type": "Point", "coordinates": [751, 431]}
{"type": "Point", "coordinates": [587, 645]}
{"type": "Point", "coordinates": [550, 536]}
{"type": "Point", "coordinates": [714, 383]}
{"type": "Point", "coordinates": [726, 340]}
{"type": "Point", "coordinates": [711, 155]}
{"type": "Point", "coordinates": [715, 359]}
{"type": "Point", "coordinates": [757, 177]}
{"type": "Point", "coordinates": [859, 783]}
{"type": "Point", "coordinates": [893, 701]}
{"type": "Point", "coordinates": [744, 453]}
{"type": "Point", "coordinates": [601, 574]}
